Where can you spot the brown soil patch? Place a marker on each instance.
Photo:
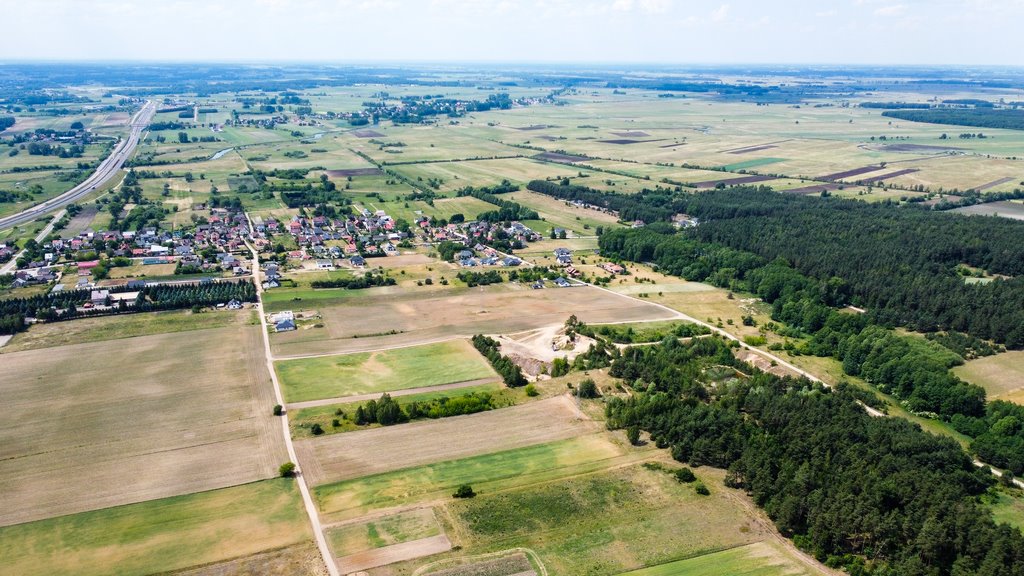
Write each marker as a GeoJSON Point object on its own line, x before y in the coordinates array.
{"type": "Point", "coordinates": [395, 553]}
{"type": "Point", "coordinates": [302, 560]}
{"type": "Point", "coordinates": [342, 456]}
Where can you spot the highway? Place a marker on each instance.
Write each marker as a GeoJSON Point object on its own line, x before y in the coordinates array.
{"type": "Point", "coordinates": [104, 172]}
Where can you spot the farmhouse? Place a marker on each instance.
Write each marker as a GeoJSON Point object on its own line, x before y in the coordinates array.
{"type": "Point", "coordinates": [613, 268]}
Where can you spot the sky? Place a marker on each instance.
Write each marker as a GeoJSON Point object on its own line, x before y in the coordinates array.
{"type": "Point", "coordinates": [953, 32]}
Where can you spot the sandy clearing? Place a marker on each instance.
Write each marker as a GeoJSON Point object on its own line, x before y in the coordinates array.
{"type": "Point", "coordinates": [95, 425]}
{"type": "Point", "coordinates": [421, 317]}
{"type": "Point", "coordinates": [395, 553]}
{"type": "Point", "coordinates": [343, 456]}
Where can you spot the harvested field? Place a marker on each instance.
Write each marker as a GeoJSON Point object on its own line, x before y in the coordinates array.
{"type": "Point", "coordinates": [366, 134]}
{"type": "Point", "coordinates": [102, 328]}
{"type": "Point", "coordinates": [354, 172]}
{"type": "Point", "coordinates": [753, 149]}
{"type": "Point", "coordinates": [306, 379]}
{"type": "Point", "coordinates": [623, 141]}
{"type": "Point", "coordinates": [163, 535]}
{"type": "Point", "coordinates": [365, 452]}
{"type": "Point", "coordinates": [813, 189]}
{"type": "Point", "coordinates": [915, 148]}
{"type": "Point", "coordinates": [993, 184]}
{"type": "Point", "coordinates": [847, 174]}
{"type": "Point", "coordinates": [557, 157]}
{"type": "Point", "coordinates": [164, 415]}
{"type": "Point", "coordinates": [890, 175]}
{"type": "Point", "coordinates": [418, 317]}
{"type": "Point", "coordinates": [394, 553]}
{"type": "Point", "coordinates": [299, 560]}
{"type": "Point", "coordinates": [731, 181]}
{"type": "Point", "coordinates": [631, 134]}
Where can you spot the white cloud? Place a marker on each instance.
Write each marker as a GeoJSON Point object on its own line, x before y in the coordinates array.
{"type": "Point", "coordinates": [891, 11]}
{"type": "Point", "coordinates": [720, 13]}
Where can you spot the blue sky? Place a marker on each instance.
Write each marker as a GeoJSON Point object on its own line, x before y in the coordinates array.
{"type": "Point", "coordinates": [657, 31]}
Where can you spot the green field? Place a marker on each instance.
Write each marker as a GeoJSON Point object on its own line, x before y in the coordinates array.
{"type": "Point", "coordinates": [371, 372]}
{"type": "Point", "coordinates": [1008, 506]}
{"type": "Point", "coordinates": [128, 326]}
{"type": "Point", "coordinates": [280, 299]}
{"type": "Point", "coordinates": [487, 473]}
{"type": "Point", "coordinates": [760, 559]}
{"type": "Point", "coordinates": [385, 531]}
{"type": "Point", "coordinates": [159, 535]}
{"type": "Point", "coordinates": [748, 164]}
{"type": "Point", "coordinates": [605, 523]}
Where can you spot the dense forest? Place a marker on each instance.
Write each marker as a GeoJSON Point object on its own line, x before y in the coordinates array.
{"type": "Point", "coordinates": [871, 495]}
{"type": "Point", "coordinates": [984, 117]}
{"type": "Point", "coordinates": [894, 260]}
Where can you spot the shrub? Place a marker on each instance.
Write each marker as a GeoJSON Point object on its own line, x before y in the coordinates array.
{"type": "Point", "coordinates": [278, 409]}
{"type": "Point", "coordinates": [317, 430]}
{"type": "Point", "coordinates": [588, 389]}
{"type": "Point", "coordinates": [531, 390]}
{"type": "Point", "coordinates": [685, 475]}
{"type": "Point", "coordinates": [464, 491]}
{"type": "Point", "coordinates": [633, 434]}
{"type": "Point", "coordinates": [287, 470]}
{"type": "Point", "coordinates": [700, 488]}
{"type": "Point", "coordinates": [335, 422]}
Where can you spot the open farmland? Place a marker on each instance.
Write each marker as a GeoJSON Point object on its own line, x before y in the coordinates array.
{"type": "Point", "coordinates": [759, 559]}
{"type": "Point", "coordinates": [345, 456]}
{"type": "Point", "coordinates": [493, 471]}
{"type": "Point", "coordinates": [150, 537]}
{"type": "Point", "coordinates": [116, 327]}
{"type": "Point", "coordinates": [415, 367]}
{"type": "Point", "coordinates": [166, 415]}
{"type": "Point", "coordinates": [421, 316]}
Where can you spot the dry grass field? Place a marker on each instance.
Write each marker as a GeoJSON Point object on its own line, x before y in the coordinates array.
{"type": "Point", "coordinates": [165, 535]}
{"type": "Point", "coordinates": [420, 316]}
{"type": "Point", "coordinates": [344, 456]}
{"type": "Point", "coordinates": [103, 328]}
{"type": "Point", "coordinates": [95, 425]}
{"type": "Point", "coordinates": [1002, 375]}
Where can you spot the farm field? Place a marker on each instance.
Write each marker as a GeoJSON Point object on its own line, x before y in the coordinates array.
{"type": "Point", "coordinates": [160, 535]}
{"type": "Point", "coordinates": [759, 559]}
{"type": "Point", "coordinates": [369, 372]}
{"type": "Point", "coordinates": [166, 414]}
{"type": "Point", "coordinates": [493, 471]}
{"type": "Point", "coordinates": [86, 330]}
{"type": "Point", "coordinates": [420, 316]}
{"type": "Point", "coordinates": [361, 536]}
{"type": "Point", "coordinates": [338, 457]}
{"type": "Point", "coordinates": [1002, 375]}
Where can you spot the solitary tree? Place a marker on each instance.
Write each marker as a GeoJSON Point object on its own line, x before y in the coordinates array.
{"type": "Point", "coordinates": [287, 470]}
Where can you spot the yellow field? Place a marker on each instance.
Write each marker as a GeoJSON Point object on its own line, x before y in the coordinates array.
{"type": "Point", "coordinates": [95, 425]}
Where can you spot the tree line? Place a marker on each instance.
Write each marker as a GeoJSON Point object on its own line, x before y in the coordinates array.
{"type": "Point", "coordinates": [509, 371]}
{"type": "Point", "coordinates": [979, 117]}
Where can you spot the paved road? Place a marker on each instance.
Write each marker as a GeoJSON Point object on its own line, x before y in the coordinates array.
{"type": "Point", "coordinates": [107, 169]}
{"type": "Point", "coordinates": [307, 498]}
{"type": "Point", "coordinates": [13, 262]}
